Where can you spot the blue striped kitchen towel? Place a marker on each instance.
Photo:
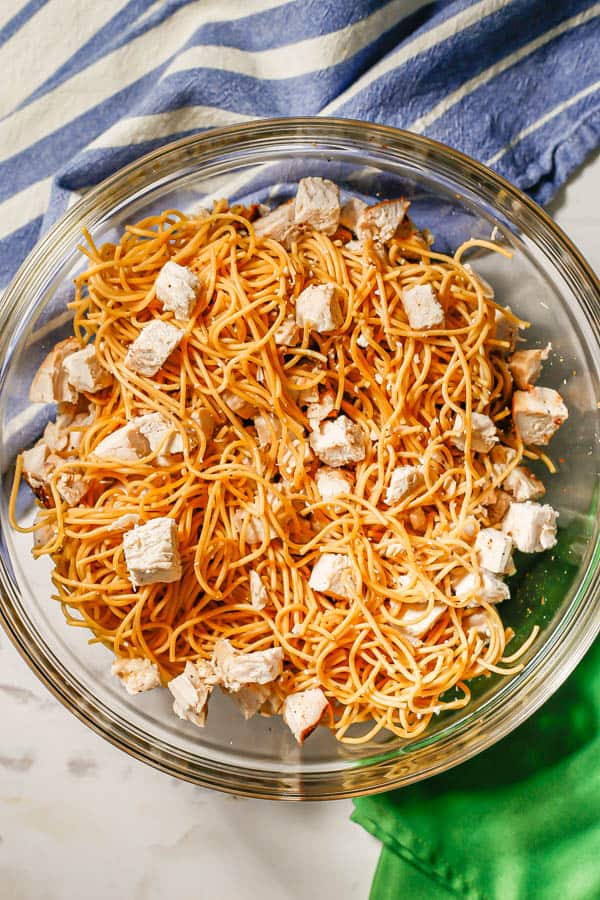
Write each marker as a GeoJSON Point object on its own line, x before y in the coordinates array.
{"type": "Point", "coordinates": [87, 87]}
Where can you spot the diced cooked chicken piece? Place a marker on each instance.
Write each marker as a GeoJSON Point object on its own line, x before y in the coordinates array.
{"type": "Point", "coordinates": [191, 691]}
{"type": "Point", "coordinates": [152, 552]}
{"type": "Point", "coordinates": [303, 711]}
{"type": "Point", "coordinates": [126, 444]}
{"type": "Point", "coordinates": [526, 365]}
{"type": "Point", "coordinates": [477, 621]}
{"type": "Point", "coordinates": [506, 329]}
{"type": "Point", "coordinates": [532, 526]}
{"type": "Point", "coordinates": [498, 507]}
{"type": "Point", "coordinates": [268, 430]}
{"type": "Point", "coordinates": [235, 669]}
{"type": "Point", "coordinates": [483, 433]}
{"type": "Point", "coordinates": [77, 426]}
{"type": "Point", "coordinates": [332, 574]}
{"type": "Point", "coordinates": [317, 204]}
{"type": "Point", "coordinates": [318, 308]}
{"type": "Point", "coordinates": [85, 372]}
{"type": "Point", "coordinates": [50, 383]}
{"type": "Point", "coordinates": [486, 587]}
{"type": "Point", "coordinates": [58, 436]}
{"type": "Point", "coordinates": [422, 307]}
{"type": "Point", "coordinates": [136, 675]}
{"type": "Point", "coordinates": [152, 347]}
{"type": "Point", "coordinates": [257, 698]}
{"type": "Point", "coordinates": [255, 526]}
{"type": "Point", "coordinates": [495, 550]}
{"type": "Point", "coordinates": [239, 405]}
{"type": "Point", "coordinates": [38, 467]}
{"type": "Point", "coordinates": [538, 414]}
{"type": "Point", "coordinates": [416, 621]}
{"type": "Point", "coordinates": [205, 420]}
{"type": "Point", "coordinates": [177, 288]}
{"type": "Point", "coordinates": [159, 433]}
{"type": "Point", "coordinates": [44, 531]}
{"type": "Point", "coordinates": [403, 480]}
{"type": "Point", "coordinates": [258, 592]}
{"type": "Point", "coordinates": [35, 469]}
{"type": "Point", "coordinates": [128, 520]}
{"type": "Point", "coordinates": [332, 483]}
{"type": "Point", "coordinates": [278, 224]}
{"type": "Point", "coordinates": [318, 411]}
{"type": "Point", "coordinates": [351, 212]}
{"type": "Point", "coordinates": [71, 486]}
{"type": "Point", "coordinates": [523, 484]}
{"type": "Point", "coordinates": [297, 452]}
{"type": "Point", "coordinates": [338, 442]}
{"type": "Point", "coordinates": [288, 333]}
{"type": "Point", "coordinates": [486, 287]}
{"type": "Point", "coordinates": [380, 222]}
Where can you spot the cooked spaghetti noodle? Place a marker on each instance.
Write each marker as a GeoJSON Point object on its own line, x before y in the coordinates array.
{"type": "Point", "coordinates": [244, 504]}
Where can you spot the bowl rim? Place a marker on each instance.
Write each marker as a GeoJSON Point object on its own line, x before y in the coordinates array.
{"type": "Point", "coordinates": [143, 172]}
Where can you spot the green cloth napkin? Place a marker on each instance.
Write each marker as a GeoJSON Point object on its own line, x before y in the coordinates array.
{"type": "Point", "coordinates": [519, 821]}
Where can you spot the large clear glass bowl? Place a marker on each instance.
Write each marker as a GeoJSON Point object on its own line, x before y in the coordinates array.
{"type": "Point", "coordinates": [547, 281]}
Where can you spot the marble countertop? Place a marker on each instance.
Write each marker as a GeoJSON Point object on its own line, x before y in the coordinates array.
{"type": "Point", "coordinates": [80, 819]}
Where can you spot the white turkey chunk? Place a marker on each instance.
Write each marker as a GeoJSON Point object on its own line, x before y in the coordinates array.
{"type": "Point", "coordinates": [35, 468]}
{"type": "Point", "coordinates": [403, 480]}
{"type": "Point", "coordinates": [333, 575]}
{"type": "Point", "coordinates": [351, 212]}
{"type": "Point", "coordinates": [152, 552]}
{"type": "Point", "coordinates": [50, 383]}
{"type": "Point", "coordinates": [258, 592]}
{"type": "Point", "coordinates": [316, 412]}
{"type": "Point", "coordinates": [483, 433]}
{"type": "Point", "coordinates": [278, 224]}
{"type": "Point", "coordinates": [235, 669]}
{"type": "Point", "coordinates": [422, 307]}
{"type": "Point", "coordinates": [268, 429]}
{"type": "Point", "coordinates": [44, 531]}
{"type": "Point", "coordinates": [525, 366]}
{"type": "Point", "coordinates": [253, 698]}
{"type": "Point", "coordinates": [380, 222]}
{"type": "Point", "coordinates": [127, 444]}
{"type": "Point", "coordinates": [318, 308]}
{"type": "Point", "coordinates": [485, 587]}
{"type": "Point", "coordinates": [338, 442]}
{"type": "Point", "coordinates": [523, 484]}
{"type": "Point", "coordinates": [191, 691]}
{"type": "Point", "coordinates": [159, 433]}
{"type": "Point", "coordinates": [239, 405]}
{"type": "Point", "coordinates": [318, 204]}
{"type": "Point", "coordinates": [152, 347]}
{"type": "Point", "coordinates": [288, 333]}
{"type": "Point", "coordinates": [538, 414]}
{"type": "Point", "coordinates": [332, 483]}
{"type": "Point", "coordinates": [256, 526]}
{"type": "Point", "coordinates": [137, 675]}
{"type": "Point", "coordinates": [303, 711]}
{"type": "Point", "coordinates": [85, 372]}
{"type": "Point", "coordinates": [416, 621]}
{"type": "Point", "coordinates": [177, 288]}
{"type": "Point", "coordinates": [532, 526]}
{"type": "Point", "coordinates": [506, 329]}
{"type": "Point", "coordinates": [495, 551]}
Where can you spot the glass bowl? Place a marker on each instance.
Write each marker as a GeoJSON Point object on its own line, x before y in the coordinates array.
{"type": "Point", "coordinates": [547, 281]}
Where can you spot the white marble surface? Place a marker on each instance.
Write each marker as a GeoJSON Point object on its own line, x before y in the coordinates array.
{"type": "Point", "coordinates": [79, 820]}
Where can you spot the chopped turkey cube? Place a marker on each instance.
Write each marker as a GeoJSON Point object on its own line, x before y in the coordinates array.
{"type": "Point", "coordinates": [205, 420]}
{"type": "Point", "coordinates": [277, 225]}
{"type": "Point", "coordinates": [128, 520]}
{"type": "Point", "coordinates": [318, 308]}
{"type": "Point", "coordinates": [380, 222]}
{"type": "Point", "coordinates": [239, 405]}
{"type": "Point", "coordinates": [498, 506]}
{"type": "Point", "coordinates": [403, 480]}
{"type": "Point", "coordinates": [50, 383]}
{"type": "Point", "coordinates": [506, 329]}
{"type": "Point", "coordinates": [332, 483]}
{"type": "Point", "coordinates": [338, 442]}
{"type": "Point", "coordinates": [351, 212]}
{"type": "Point", "coordinates": [303, 711]}
{"type": "Point", "coordinates": [127, 444]}
{"type": "Point", "coordinates": [532, 526]}
{"type": "Point", "coordinates": [137, 675]}
{"type": "Point", "coordinates": [85, 372]}
{"type": "Point", "coordinates": [523, 484]}
{"type": "Point", "coordinates": [317, 204]}
{"type": "Point", "coordinates": [416, 621]}
{"type": "Point", "coordinates": [495, 550]}
{"type": "Point", "coordinates": [332, 574]}
{"type": "Point", "coordinates": [318, 411]}
{"type": "Point", "coordinates": [152, 347]}
{"type": "Point", "coordinates": [35, 468]}
{"type": "Point", "coordinates": [258, 592]}
{"type": "Point", "coordinates": [191, 691]}
{"type": "Point", "coordinates": [538, 414]}
{"type": "Point", "coordinates": [268, 430]}
{"type": "Point", "coordinates": [422, 307]}
{"type": "Point", "coordinates": [477, 621]}
{"type": "Point", "coordinates": [44, 531]}
{"type": "Point", "coordinates": [70, 485]}
{"type": "Point", "coordinates": [56, 434]}
{"type": "Point", "coordinates": [253, 698]}
{"type": "Point", "coordinates": [159, 433]}
{"type": "Point", "coordinates": [486, 587]}
{"type": "Point", "coordinates": [483, 433]}
{"type": "Point", "coordinates": [152, 552]}
{"type": "Point", "coordinates": [525, 366]}
{"type": "Point", "coordinates": [177, 288]}
{"type": "Point", "coordinates": [288, 333]}
{"type": "Point", "coordinates": [236, 669]}
{"type": "Point", "coordinates": [255, 526]}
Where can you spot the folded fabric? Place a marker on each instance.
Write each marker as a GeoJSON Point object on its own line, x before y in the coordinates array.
{"type": "Point", "coordinates": [519, 821]}
{"type": "Point", "coordinates": [78, 102]}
